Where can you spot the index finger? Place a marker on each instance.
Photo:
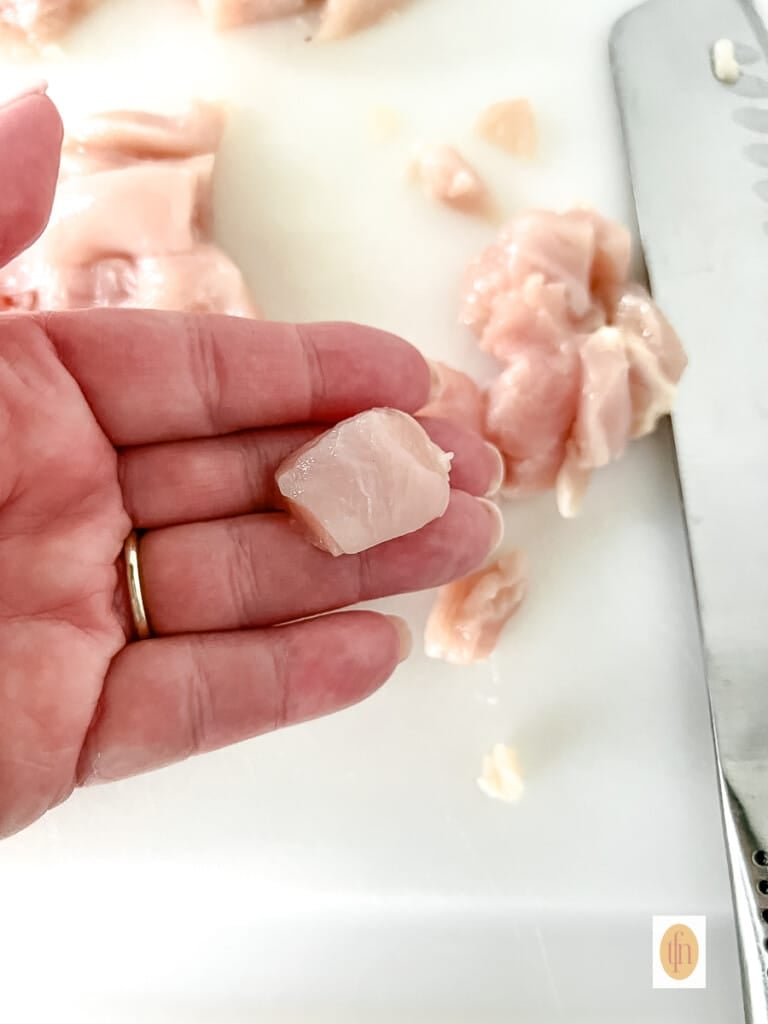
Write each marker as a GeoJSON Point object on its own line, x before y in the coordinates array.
{"type": "Point", "coordinates": [30, 144]}
{"type": "Point", "coordinates": [157, 376]}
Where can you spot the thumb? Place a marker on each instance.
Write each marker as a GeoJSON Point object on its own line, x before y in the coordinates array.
{"type": "Point", "coordinates": [30, 147]}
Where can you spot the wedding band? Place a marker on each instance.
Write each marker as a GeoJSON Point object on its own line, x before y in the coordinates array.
{"type": "Point", "coordinates": [133, 579]}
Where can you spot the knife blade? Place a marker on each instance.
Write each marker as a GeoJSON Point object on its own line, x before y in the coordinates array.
{"type": "Point", "coordinates": [697, 151]}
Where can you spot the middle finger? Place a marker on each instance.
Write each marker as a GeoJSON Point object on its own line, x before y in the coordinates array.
{"type": "Point", "coordinates": [258, 570]}
{"type": "Point", "coordinates": [215, 478]}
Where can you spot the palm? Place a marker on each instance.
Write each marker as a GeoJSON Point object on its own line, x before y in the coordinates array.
{"type": "Point", "coordinates": [62, 523]}
{"type": "Point", "coordinates": [114, 419]}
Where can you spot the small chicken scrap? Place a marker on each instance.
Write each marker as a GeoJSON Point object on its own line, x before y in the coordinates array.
{"type": "Point", "coordinates": [373, 477]}
{"type": "Point", "coordinates": [131, 221]}
{"type": "Point", "coordinates": [501, 778]}
{"type": "Point", "coordinates": [510, 125]}
{"type": "Point", "coordinates": [469, 614]}
{"type": "Point", "coordinates": [39, 22]}
{"type": "Point", "coordinates": [589, 360]}
{"type": "Point", "coordinates": [446, 177]}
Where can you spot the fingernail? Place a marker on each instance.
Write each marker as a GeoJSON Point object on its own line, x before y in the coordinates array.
{"type": "Point", "coordinates": [34, 88]}
{"type": "Point", "coordinates": [404, 635]}
{"type": "Point", "coordinates": [499, 471]}
{"type": "Point", "coordinates": [497, 533]}
{"type": "Point", "coordinates": [435, 381]}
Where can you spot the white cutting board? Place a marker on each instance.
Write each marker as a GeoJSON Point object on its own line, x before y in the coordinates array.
{"type": "Point", "coordinates": [349, 870]}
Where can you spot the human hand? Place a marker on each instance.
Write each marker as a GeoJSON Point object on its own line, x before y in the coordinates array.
{"type": "Point", "coordinates": [175, 424]}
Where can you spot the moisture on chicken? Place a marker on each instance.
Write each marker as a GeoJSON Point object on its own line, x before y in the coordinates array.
{"type": "Point", "coordinates": [589, 361]}
{"type": "Point", "coordinates": [369, 479]}
{"type": "Point", "coordinates": [447, 178]}
{"type": "Point", "coordinates": [131, 221]}
{"type": "Point", "coordinates": [469, 614]}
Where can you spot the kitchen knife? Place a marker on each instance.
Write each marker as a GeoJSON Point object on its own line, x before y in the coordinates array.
{"type": "Point", "coordinates": [698, 157]}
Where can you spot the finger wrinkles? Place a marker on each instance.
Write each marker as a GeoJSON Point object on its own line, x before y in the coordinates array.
{"type": "Point", "coordinates": [206, 369]}
{"type": "Point", "coordinates": [317, 389]}
{"type": "Point", "coordinates": [259, 570]}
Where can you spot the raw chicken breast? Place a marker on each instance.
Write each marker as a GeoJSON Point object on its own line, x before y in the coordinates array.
{"type": "Point", "coordinates": [343, 17]}
{"type": "Point", "coordinates": [41, 21]}
{"type": "Point", "coordinates": [601, 429]}
{"type": "Point", "coordinates": [656, 358]}
{"type": "Point", "coordinates": [455, 397]}
{"type": "Point", "coordinates": [534, 315]}
{"type": "Point", "coordinates": [511, 125]}
{"type": "Point", "coordinates": [233, 13]}
{"type": "Point", "coordinates": [577, 250]}
{"type": "Point", "coordinates": [468, 615]}
{"type": "Point", "coordinates": [201, 280]}
{"type": "Point", "coordinates": [531, 408]}
{"type": "Point", "coordinates": [144, 208]}
{"type": "Point", "coordinates": [131, 221]}
{"type": "Point", "coordinates": [447, 177]}
{"type": "Point", "coordinates": [612, 255]}
{"type": "Point", "coordinates": [589, 360]}
{"type": "Point", "coordinates": [142, 135]}
{"type": "Point", "coordinates": [371, 478]}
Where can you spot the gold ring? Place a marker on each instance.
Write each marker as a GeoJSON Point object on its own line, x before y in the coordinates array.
{"type": "Point", "coordinates": [133, 578]}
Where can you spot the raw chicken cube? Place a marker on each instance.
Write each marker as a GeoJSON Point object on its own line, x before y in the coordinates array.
{"type": "Point", "coordinates": [201, 280]}
{"type": "Point", "coordinates": [371, 478]}
{"type": "Point", "coordinates": [601, 428]}
{"type": "Point", "coordinates": [131, 221]}
{"type": "Point", "coordinates": [600, 431]}
{"type": "Point", "coordinates": [578, 250]}
{"type": "Point", "coordinates": [531, 407]}
{"type": "Point", "coordinates": [657, 360]}
{"type": "Point", "coordinates": [447, 178]}
{"type": "Point", "coordinates": [343, 17]}
{"type": "Point", "coordinates": [468, 615]}
{"type": "Point", "coordinates": [612, 255]}
{"type": "Point", "coordinates": [455, 397]}
{"type": "Point", "coordinates": [144, 135]}
{"type": "Point", "coordinates": [145, 208]}
{"type": "Point", "coordinates": [233, 13]}
{"type": "Point", "coordinates": [535, 314]}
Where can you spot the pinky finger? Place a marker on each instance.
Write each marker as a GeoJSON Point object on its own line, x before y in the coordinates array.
{"type": "Point", "coordinates": [167, 699]}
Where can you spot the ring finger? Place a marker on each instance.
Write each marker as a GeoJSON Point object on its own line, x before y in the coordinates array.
{"type": "Point", "coordinates": [258, 570]}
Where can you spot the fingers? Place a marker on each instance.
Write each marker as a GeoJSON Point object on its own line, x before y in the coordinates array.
{"type": "Point", "coordinates": [215, 478]}
{"type": "Point", "coordinates": [155, 376]}
{"type": "Point", "coordinates": [164, 700]}
{"type": "Point", "coordinates": [30, 146]}
{"type": "Point", "coordinates": [259, 570]}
